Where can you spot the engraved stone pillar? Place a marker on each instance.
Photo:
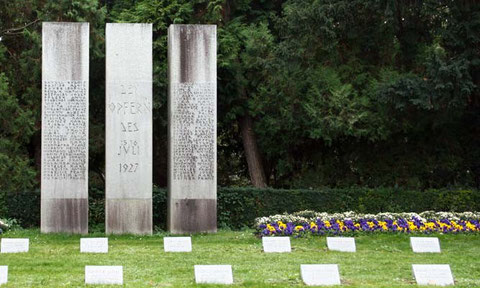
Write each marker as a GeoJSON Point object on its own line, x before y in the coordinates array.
{"type": "Point", "coordinates": [192, 123]}
{"type": "Point", "coordinates": [64, 185]}
{"type": "Point", "coordinates": [128, 129]}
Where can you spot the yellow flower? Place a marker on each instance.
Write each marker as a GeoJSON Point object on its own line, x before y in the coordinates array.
{"type": "Point", "coordinates": [383, 224]}
{"type": "Point", "coordinates": [411, 226]}
{"type": "Point", "coordinates": [470, 226]}
{"type": "Point", "coordinates": [299, 228]}
{"type": "Point", "coordinates": [270, 228]}
{"type": "Point", "coordinates": [429, 225]}
{"type": "Point", "coordinates": [313, 225]}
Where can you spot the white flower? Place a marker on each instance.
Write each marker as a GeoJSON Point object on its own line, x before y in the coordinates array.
{"type": "Point", "coordinates": [308, 216]}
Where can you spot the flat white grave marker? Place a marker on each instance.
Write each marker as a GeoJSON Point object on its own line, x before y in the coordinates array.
{"type": "Point", "coordinates": [3, 275]}
{"type": "Point", "coordinates": [276, 244]}
{"type": "Point", "coordinates": [435, 274]}
{"type": "Point", "coordinates": [320, 274]}
{"type": "Point", "coordinates": [104, 275]}
{"type": "Point", "coordinates": [213, 274]}
{"type": "Point", "coordinates": [343, 244]}
{"type": "Point", "coordinates": [14, 245]}
{"type": "Point", "coordinates": [425, 244]}
{"type": "Point", "coordinates": [177, 244]}
{"type": "Point", "coordinates": [93, 245]}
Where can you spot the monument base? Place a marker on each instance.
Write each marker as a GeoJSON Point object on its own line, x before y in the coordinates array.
{"type": "Point", "coordinates": [192, 216]}
{"type": "Point", "coordinates": [64, 216]}
{"type": "Point", "coordinates": [128, 216]}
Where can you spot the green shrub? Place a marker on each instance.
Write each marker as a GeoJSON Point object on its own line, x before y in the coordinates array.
{"type": "Point", "coordinates": [25, 207]}
{"type": "Point", "coordinates": [3, 204]}
{"type": "Point", "coordinates": [159, 200]}
{"type": "Point", "coordinates": [96, 209]}
{"type": "Point", "coordinates": [238, 207]}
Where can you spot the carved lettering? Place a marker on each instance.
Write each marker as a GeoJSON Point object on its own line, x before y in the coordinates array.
{"type": "Point", "coordinates": [132, 107]}
{"type": "Point", "coordinates": [128, 167]}
{"type": "Point", "coordinates": [194, 129]}
{"type": "Point", "coordinates": [129, 126]}
{"type": "Point", "coordinates": [129, 147]}
{"type": "Point", "coordinates": [129, 108]}
{"type": "Point", "coordinates": [65, 117]}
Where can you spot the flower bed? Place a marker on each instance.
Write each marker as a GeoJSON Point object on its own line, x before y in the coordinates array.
{"type": "Point", "coordinates": [313, 223]}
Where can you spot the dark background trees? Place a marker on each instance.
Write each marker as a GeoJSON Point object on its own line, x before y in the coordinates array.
{"type": "Point", "coordinates": [311, 93]}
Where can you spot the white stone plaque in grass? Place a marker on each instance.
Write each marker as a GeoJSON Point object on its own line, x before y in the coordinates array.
{"type": "Point", "coordinates": [425, 244]}
{"type": "Point", "coordinates": [213, 274]}
{"type": "Point", "coordinates": [94, 245]}
{"type": "Point", "coordinates": [320, 274]}
{"type": "Point", "coordinates": [343, 244]}
{"type": "Point", "coordinates": [104, 275]}
{"type": "Point", "coordinates": [177, 244]}
{"type": "Point", "coordinates": [433, 274]}
{"type": "Point", "coordinates": [276, 244]}
{"type": "Point", "coordinates": [14, 245]}
{"type": "Point", "coordinates": [3, 275]}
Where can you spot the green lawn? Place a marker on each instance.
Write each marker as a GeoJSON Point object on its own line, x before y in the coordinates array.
{"type": "Point", "coordinates": [380, 261]}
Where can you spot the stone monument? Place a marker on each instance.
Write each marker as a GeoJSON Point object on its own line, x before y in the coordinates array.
{"type": "Point", "coordinates": [64, 172]}
{"type": "Point", "coordinates": [192, 125]}
{"type": "Point", "coordinates": [128, 163]}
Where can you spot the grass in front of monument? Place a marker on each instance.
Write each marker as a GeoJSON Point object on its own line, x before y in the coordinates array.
{"type": "Point", "coordinates": [381, 260]}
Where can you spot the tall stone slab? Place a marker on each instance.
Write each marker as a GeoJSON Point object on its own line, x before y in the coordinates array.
{"type": "Point", "coordinates": [64, 174]}
{"type": "Point", "coordinates": [128, 180]}
{"type": "Point", "coordinates": [192, 123]}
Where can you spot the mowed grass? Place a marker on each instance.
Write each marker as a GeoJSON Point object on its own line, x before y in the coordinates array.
{"type": "Point", "coordinates": [384, 260]}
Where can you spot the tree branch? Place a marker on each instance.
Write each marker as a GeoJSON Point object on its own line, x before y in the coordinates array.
{"type": "Point", "coordinates": [13, 31]}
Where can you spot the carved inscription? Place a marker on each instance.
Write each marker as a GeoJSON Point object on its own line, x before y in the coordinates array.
{"type": "Point", "coordinates": [129, 126]}
{"type": "Point", "coordinates": [129, 147]}
{"type": "Point", "coordinates": [65, 130]}
{"type": "Point", "coordinates": [128, 167]}
{"type": "Point", "coordinates": [193, 131]}
{"type": "Point", "coordinates": [129, 108]}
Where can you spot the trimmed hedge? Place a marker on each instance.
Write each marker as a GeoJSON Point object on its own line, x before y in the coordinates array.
{"type": "Point", "coordinates": [238, 207]}
{"type": "Point", "coordinates": [23, 206]}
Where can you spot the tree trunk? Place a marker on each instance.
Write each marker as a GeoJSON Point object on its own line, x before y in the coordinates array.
{"type": "Point", "coordinates": [252, 153]}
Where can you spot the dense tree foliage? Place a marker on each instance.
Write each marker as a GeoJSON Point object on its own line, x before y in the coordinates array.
{"type": "Point", "coordinates": [311, 93]}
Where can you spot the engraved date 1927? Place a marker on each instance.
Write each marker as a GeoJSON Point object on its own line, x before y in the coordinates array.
{"type": "Point", "coordinates": [128, 167]}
